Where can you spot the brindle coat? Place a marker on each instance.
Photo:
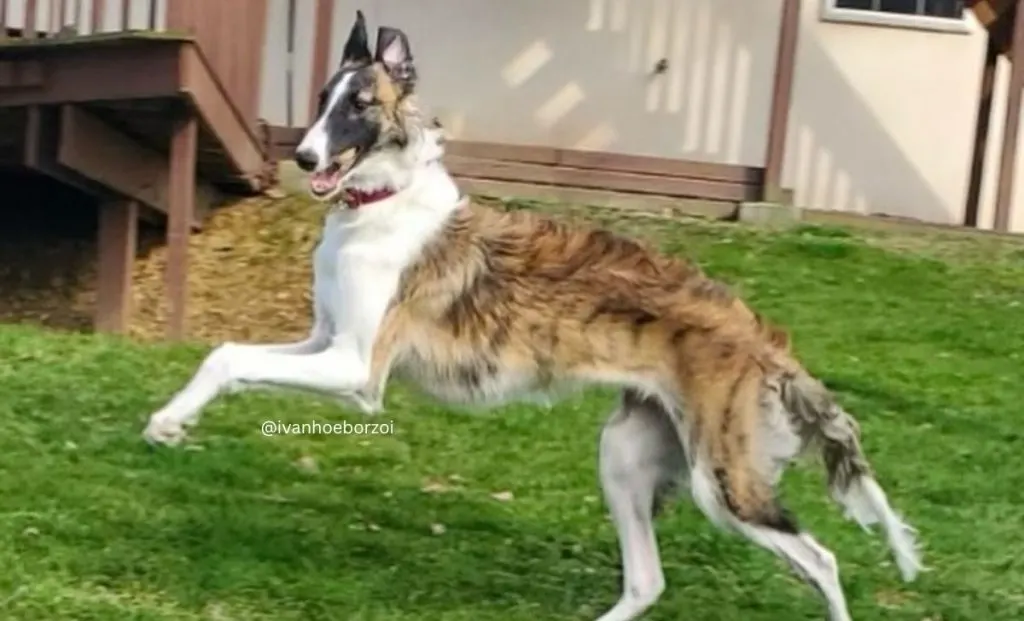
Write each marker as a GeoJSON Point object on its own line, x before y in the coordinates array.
{"type": "Point", "coordinates": [504, 302]}
{"type": "Point", "coordinates": [480, 306]}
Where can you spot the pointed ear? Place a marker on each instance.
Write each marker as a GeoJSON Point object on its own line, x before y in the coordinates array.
{"type": "Point", "coordinates": [357, 48]}
{"type": "Point", "coordinates": [394, 53]}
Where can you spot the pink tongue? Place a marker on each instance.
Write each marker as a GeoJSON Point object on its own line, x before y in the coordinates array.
{"type": "Point", "coordinates": [323, 181]}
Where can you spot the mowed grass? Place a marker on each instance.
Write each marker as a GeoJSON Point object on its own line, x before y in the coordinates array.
{"type": "Point", "coordinates": [921, 337]}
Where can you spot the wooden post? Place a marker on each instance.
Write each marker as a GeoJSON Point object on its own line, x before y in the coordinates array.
{"type": "Point", "coordinates": [30, 31]}
{"type": "Point", "coordinates": [60, 12]}
{"type": "Point", "coordinates": [988, 78]}
{"type": "Point", "coordinates": [96, 16]}
{"type": "Point", "coordinates": [33, 136]}
{"type": "Point", "coordinates": [117, 242]}
{"type": "Point", "coordinates": [181, 194]}
{"type": "Point", "coordinates": [321, 50]}
{"type": "Point", "coordinates": [1008, 157]}
{"type": "Point", "coordinates": [782, 95]}
{"type": "Point", "coordinates": [289, 76]}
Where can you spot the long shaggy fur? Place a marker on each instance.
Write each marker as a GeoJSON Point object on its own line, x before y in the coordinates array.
{"type": "Point", "coordinates": [482, 306]}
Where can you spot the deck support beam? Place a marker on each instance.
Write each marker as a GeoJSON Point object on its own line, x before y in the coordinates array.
{"type": "Point", "coordinates": [116, 242]}
{"type": "Point", "coordinates": [181, 207]}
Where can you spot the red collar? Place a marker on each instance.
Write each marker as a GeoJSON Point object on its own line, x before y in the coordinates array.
{"type": "Point", "coordinates": [354, 199]}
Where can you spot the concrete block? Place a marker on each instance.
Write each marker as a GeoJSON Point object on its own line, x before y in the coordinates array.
{"type": "Point", "coordinates": [770, 214]}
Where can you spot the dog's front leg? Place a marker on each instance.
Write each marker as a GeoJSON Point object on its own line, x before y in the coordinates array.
{"type": "Point", "coordinates": [337, 370]}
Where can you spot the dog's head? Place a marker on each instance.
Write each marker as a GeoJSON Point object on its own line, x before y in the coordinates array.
{"type": "Point", "coordinates": [361, 118]}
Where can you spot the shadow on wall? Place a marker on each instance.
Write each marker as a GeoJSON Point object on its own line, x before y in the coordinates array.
{"type": "Point", "coordinates": [578, 74]}
{"type": "Point", "coordinates": [841, 156]}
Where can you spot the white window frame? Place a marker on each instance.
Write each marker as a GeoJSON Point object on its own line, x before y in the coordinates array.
{"type": "Point", "coordinates": [831, 13]}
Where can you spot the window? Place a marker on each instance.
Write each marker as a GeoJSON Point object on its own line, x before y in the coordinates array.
{"type": "Point", "coordinates": [941, 15]}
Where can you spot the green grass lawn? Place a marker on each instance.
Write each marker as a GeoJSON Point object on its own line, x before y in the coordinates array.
{"type": "Point", "coordinates": [921, 337]}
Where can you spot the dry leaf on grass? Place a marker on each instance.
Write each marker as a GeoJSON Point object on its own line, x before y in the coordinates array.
{"type": "Point", "coordinates": [307, 463]}
{"type": "Point", "coordinates": [437, 486]}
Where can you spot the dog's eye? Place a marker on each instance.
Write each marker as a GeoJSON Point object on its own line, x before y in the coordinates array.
{"type": "Point", "coordinates": [361, 101]}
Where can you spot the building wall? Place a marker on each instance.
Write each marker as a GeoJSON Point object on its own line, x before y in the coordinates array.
{"type": "Point", "coordinates": [882, 118]}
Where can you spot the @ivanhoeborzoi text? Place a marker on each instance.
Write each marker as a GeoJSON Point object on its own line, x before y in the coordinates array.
{"type": "Point", "coordinates": [342, 428]}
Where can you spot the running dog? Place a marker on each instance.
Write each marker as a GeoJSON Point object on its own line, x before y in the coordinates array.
{"type": "Point", "coordinates": [481, 306]}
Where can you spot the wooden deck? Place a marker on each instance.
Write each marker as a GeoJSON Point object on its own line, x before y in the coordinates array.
{"type": "Point", "coordinates": [139, 85]}
{"type": "Point", "coordinates": [141, 122]}
{"type": "Point", "coordinates": [604, 171]}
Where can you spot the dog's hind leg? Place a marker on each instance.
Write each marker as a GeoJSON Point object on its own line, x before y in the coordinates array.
{"type": "Point", "coordinates": [641, 460]}
{"type": "Point", "coordinates": [734, 476]}
{"type": "Point", "coordinates": [765, 522]}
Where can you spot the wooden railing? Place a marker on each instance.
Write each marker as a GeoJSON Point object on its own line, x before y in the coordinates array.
{"type": "Point", "coordinates": [230, 33]}
{"type": "Point", "coordinates": [31, 19]}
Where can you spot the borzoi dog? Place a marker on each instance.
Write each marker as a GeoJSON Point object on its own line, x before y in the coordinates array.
{"type": "Point", "coordinates": [482, 306]}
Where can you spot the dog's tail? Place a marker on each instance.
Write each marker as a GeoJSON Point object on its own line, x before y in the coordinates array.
{"type": "Point", "coordinates": [850, 478]}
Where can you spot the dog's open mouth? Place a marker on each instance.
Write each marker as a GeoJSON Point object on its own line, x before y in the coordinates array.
{"type": "Point", "coordinates": [325, 182]}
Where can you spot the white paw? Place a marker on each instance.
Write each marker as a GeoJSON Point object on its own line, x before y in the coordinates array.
{"type": "Point", "coordinates": [368, 403]}
{"type": "Point", "coordinates": [164, 430]}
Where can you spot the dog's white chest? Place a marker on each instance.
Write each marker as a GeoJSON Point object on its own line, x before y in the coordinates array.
{"type": "Point", "coordinates": [357, 270]}
{"type": "Point", "coordinates": [327, 292]}
{"type": "Point", "coordinates": [354, 279]}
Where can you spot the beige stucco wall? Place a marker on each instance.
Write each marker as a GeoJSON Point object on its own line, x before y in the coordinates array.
{"type": "Point", "coordinates": [882, 118]}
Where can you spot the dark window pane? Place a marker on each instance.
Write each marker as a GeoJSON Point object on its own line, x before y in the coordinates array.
{"type": "Point", "coordinates": [953, 9]}
{"type": "Point", "coordinates": [944, 8]}
{"type": "Point", "coordinates": [907, 7]}
{"type": "Point", "coordinates": [864, 5]}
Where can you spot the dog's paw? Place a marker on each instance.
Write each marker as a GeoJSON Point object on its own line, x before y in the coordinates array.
{"type": "Point", "coordinates": [370, 404]}
{"type": "Point", "coordinates": [164, 430]}
{"type": "Point", "coordinates": [365, 403]}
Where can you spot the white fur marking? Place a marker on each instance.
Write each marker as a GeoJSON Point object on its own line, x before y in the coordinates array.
{"type": "Point", "coordinates": [706, 495]}
{"type": "Point", "coordinates": [810, 559]}
{"type": "Point", "coordinates": [866, 503]}
{"type": "Point", "coordinates": [629, 475]}
{"type": "Point", "coordinates": [356, 268]}
{"type": "Point", "coordinates": [317, 139]}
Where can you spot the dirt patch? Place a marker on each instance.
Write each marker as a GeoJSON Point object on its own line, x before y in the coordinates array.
{"type": "Point", "coordinates": [47, 280]}
{"type": "Point", "coordinates": [249, 275]}
{"type": "Point", "coordinates": [47, 253]}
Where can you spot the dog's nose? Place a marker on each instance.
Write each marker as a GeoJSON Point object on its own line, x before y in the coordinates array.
{"type": "Point", "coordinates": [306, 159]}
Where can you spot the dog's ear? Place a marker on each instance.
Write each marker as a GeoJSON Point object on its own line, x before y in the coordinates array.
{"type": "Point", "coordinates": [394, 53]}
{"type": "Point", "coordinates": [357, 48]}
